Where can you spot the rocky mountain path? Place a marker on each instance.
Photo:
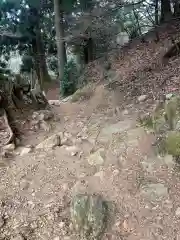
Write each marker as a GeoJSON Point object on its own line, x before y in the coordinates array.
{"type": "Point", "coordinates": [104, 152]}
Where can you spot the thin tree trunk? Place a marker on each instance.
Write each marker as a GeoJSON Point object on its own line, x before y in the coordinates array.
{"type": "Point", "coordinates": [156, 19]}
{"type": "Point", "coordinates": [39, 52]}
{"type": "Point", "coordinates": [156, 12]}
{"type": "Point", "coordinates": [166, 13]}
{"type": "Point", "coordinates": [61, 48]}
{"type": "Point", "coordinates": [177, 8]}
{"type": "Point", "coordinates": [40, 61]}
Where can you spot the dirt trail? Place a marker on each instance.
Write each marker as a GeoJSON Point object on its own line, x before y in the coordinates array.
{"type": "Point", "coordinates": [36, 189]}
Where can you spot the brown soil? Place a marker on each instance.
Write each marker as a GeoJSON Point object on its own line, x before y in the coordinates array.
{"type": "Point", "coordinates": [142, 188]}
{"type": "Point", "coordinates": [36, 189]}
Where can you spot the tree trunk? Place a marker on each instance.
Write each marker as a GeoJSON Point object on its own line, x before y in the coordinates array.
{"type": "Point", "coordinates": [176, 4]}
{"type": "Point", "coordinates": [156, 12]}
{"type": "Point", "coordinates": [156, 19]}
{"type": "Point", "coordinates": [166, 13]}
{"type": "Point", "coordinates": [61, 48]}
{"type": "Point", "coordinates": [40, 60]}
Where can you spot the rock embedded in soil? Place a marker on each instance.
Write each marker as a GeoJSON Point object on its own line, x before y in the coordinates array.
{"type": "Point", "coordinates": [45, 126]}
{"type": "Point", "coordinates": [17, 237]}
{"type": "Point", "coordinates": [73, 150]}
{"type": "Point", "coordinates": [89, 215]}
{"type": "Point", "coordinates": [10, 147]}
{"type": "Point", "coordinates": [178, 212]}
{"type": "Point", "coordinates": [42, 115]}
{"type": "Point", "coordinates": [54, 102]}
{"type": "Point", "coordinates": [142, 98]}
{"type": "Point", "coordinates": [169, 96]}
{"type": "Point", "coordinates": [50, 143]}
{"type": "Point", "coordinates": [26, 150]}
{"type": "Point", "coordinates": [155, 191]}
{"type": "Point", "coordinates": [97, 158]}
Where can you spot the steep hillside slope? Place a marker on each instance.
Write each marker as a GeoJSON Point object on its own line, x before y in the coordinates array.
{"type": "Point", "coordinates": [140, 66]}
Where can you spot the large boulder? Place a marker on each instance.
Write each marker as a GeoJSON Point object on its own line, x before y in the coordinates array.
{"type": "Point", "coordinates": [89, 215]}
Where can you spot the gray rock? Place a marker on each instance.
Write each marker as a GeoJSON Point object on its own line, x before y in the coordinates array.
{"type": "Point", "coordinates": [1, 222]}
{"type": "Point", "coordinates": [142, 98]}
{"type": "Point", "coordinates": [119, 127]}
{"type": "Point", "coordinates": [168, 160]}
{"type": "Point", "coordinates": [73, 150]}
{"type": "Point", "coordinates": [25, 151]}
{"type": "Point", "coordinates": [45, 126]}
{"type": "Point", "coordinates": [56, 238]}
{"type": "Point", "coordinates": [169, 96]}
{"type": "Point", "coordinates": [54, 102]}
{"type": "Point", "coordinates": [42, 115]}
{"type": "Point", "coordinates": [155, 191]}
{"type": "Point", "coordinates": [9, 147]}
{"type": "Point", "coordinates": [97, 158]}
{"type": "Point", "coordinates": [178, 212]}
{"type": "Point", "coordinates": [89, 215]}
{"type": "Point", "coordinates": [49, 143]}
{"type": "Point", "coordinates": [17, 237]}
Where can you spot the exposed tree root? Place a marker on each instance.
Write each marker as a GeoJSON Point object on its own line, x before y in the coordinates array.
{"type": "Point", "coordinates": [11, 137]}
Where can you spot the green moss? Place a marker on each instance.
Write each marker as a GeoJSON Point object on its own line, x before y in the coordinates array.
{"type": "Point", "coordinates": [89, 216]}
{"type": "Point", "coordinates": [165, 116]}
{"type": "Point", "coordinates": [161, 146]}
{"type": "Point", "coordinates": [146, 121]}
{"type": "Point", "coordinates": [173, 143]}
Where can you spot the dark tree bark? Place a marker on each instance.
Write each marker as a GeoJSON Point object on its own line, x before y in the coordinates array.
{"type": "Point", "coordinates": [156, 8]}
{"type": "Point", "coordinates": [166, 13]}
{"type": "Point", "coordinates": [40, 60]}
{"type": "Point", "coordinates": [88, 50]}
{"type": "Point", "coordinates": [176, 5]}
{"type": "Point", "coordinates": [61, 47]}
{"type": "Point", "coordinates": [156, 12]}
{"type": "Point", "coordinates": [38, 49]}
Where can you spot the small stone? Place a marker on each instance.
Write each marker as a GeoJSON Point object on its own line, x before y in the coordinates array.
{"type": "Point", "coordinates": [42, 115]}
{"type": "Point", "coordinates": [168, 159]}
{"type": "Point", "coordinates": [25, 151]}
{"type": "Point", "coordinates": [62, 224]}
{"type": "Point", "coordinates": [50, 142]}
{"type": "Point", "coordinates": [169, 96]}
{"type": "Point", "coordinates": [54, 102]}
{"type": "Point", "coordinates": [177, 126]}
{"type": "Point", "coordinates": [65, 186]}
{"type": "Point", "coordinates": [56, 238]}
{"type": "Point", "coordinates": [73, 150]}
{"type": "Point", "coordinates": [45, 126]}
{"type": "Point", "coordinates": [115, 172]}
{"type": "Point", "coordinates": [142, 98]}
{"type": "Point", "coordinates": [1, 222]}
{"type": "Point", "coordinates": [66, 238]}
{"type": "Point", "coordinates": [125, 112]}
{"type": "Point", "coordinates": [82, 175]}
{"type": "Point", "coordinates": [178, 212]}
{"type": "Point", "coordinates": [10, 147]}
{"type": "Point", "coordinates": [100, 175]}
{"type": "Point", "coordinates": [18, 237]}
{"type": "Point", "coordinates": [35, 124]}
{"type": "Point", "coordinates": [97, 158]}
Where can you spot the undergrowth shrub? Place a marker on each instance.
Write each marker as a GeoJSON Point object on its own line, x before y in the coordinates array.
{"type": "Point", "coordinates": [70, 79]}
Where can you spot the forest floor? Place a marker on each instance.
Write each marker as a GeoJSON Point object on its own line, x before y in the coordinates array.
{"type": "Point", "coordinates": [105, 153]}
